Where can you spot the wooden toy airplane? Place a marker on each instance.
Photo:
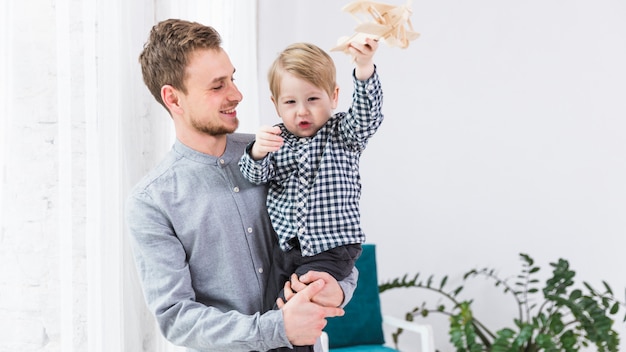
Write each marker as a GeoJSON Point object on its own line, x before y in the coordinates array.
{"type": "Point", "coordinates": [391, 23]}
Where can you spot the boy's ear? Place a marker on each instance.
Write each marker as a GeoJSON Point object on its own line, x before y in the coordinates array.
{"type": "Point", "coordinates": [169, 95]}
{"type": "Point", "coordinates": [275, 105]}
{"type": "Point", "coordinates": [335, 97]}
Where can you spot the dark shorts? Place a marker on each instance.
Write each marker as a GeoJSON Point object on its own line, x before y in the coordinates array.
{"type": "Point", "coordinates": [338, 262]}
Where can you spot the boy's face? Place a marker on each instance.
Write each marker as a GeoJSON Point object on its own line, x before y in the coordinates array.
{"type": "Point", "coordinates": [303, 107]}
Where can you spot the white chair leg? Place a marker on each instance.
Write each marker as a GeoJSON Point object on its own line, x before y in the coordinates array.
{"type": "Point", "coordinates": [427, 339]}
{"type": "Point", "coordinates": [324, 340]}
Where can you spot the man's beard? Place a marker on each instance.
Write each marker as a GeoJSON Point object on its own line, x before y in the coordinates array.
{"type": "Point", "coordinates": [214, 129]}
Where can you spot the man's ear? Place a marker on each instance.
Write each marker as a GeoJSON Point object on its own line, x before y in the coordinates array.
{"type": "Point", "coordinates": [170, 97]}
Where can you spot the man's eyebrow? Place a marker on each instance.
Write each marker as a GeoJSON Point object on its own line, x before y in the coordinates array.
{"type": "Point", "coordinates": [219, 79]}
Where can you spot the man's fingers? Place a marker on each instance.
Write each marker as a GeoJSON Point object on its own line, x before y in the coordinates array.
{"type": "Point", "coordinates": [330, 312]}
{"type": "Point", "coordinates": [287, 291]}
{"type": "Point", "coordinates": [312, 289]}
{"type": "Point", "coordinates": [280, 303]}
{"type": "Point", "coordinates": [311, 275]}
{"type": "Point", "coordinates": [304, 320]}
{"type": "Point", "coordinates": [297, 284]}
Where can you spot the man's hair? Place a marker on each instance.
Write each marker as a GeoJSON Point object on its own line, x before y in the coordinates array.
{"type": "Point", "coordinates": [305, 61]}
{"type": "Point", "coordinates": [166, 54]}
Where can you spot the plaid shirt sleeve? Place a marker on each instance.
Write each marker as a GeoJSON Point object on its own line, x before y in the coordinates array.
{"type": "Point", "coordinates": [256, 171]}
{"type": "Point", "coordinates": [365, 114]}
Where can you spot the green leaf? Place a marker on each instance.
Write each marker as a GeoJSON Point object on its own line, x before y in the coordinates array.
{"type": "Point", "coordinates": [564, 319]}
{"type": "Point", "coordinates": [534, 270]}
{"type": "Point", "coordinates": [575, 294]}
{"type": "Point", "coordinates": [607, 288]}
{"type": "Point", "coordinates": [469, 273]}
{"type": "Point", "coordinates": [443, 282]}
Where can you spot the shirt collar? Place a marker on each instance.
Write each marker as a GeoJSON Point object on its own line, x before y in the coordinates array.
{"type": "Point", "coordinates": [200, 157]}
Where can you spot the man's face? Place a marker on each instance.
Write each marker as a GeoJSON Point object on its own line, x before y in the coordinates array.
{"type": "Point", "coordinates": [212, 96]}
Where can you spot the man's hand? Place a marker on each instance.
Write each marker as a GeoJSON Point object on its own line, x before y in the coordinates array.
{"type": "Point", "coordinates": [330, 296]}
{"type": "Point", "coordinates": [267, 140]}
{"type": "Point", "coordinates": [304, 320]}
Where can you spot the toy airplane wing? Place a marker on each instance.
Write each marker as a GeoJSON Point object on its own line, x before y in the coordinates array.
{"type": "Point", "coordinates": [401, 37]}
{"type": "Point", "coordinates": [372, 28]}
{"type": "Point", "coordinates": [362, 6]}
{"type": "Point", "coordinates": [344, 42]}
{"type": "Point", "coordinates": [387, 21]}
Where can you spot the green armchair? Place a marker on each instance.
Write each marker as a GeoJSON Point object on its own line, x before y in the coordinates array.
{"type": "Point", "coordinates": [361, 328]}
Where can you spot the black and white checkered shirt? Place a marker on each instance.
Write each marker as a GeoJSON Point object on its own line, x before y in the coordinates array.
{"type": "Point", "coordinates": [314, 182]}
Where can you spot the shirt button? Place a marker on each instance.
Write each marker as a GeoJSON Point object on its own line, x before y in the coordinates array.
{"type": "Point", "coordinates": [236, 189]}
{"type": "Point", "coordinates": [370, 87]}
{"type": "Point", "coordinates": [301, 230]}
{"type": "Point", "coordinates": [249, 229]}
{"type": "Point", "coordinates": [222, 161]}
{"type": "Point", "coordinates": [260, 270]}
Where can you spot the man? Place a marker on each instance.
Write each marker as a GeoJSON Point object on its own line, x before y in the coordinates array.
{"type": "Point", "coordinates": [200, 232]}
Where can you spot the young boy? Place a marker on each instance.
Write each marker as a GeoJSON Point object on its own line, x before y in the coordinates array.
{"type": "Point", "coordinates": [311, 160]}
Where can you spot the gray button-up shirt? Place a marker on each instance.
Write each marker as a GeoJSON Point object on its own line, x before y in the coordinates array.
{"type": "Point", "coordinates": [202, 242]}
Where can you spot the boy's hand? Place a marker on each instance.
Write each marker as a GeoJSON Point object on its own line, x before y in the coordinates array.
{"type": "Point", "coordinates": [268, 140]}
{"type": "Point", "coordinates": [363, 55]}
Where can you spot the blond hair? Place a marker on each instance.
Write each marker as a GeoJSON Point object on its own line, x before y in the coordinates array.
{"type": "Point", "coordinates": [305, 61]}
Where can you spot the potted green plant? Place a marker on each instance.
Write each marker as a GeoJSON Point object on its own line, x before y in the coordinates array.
{"type": "Point", "coordinates": [554, 317]}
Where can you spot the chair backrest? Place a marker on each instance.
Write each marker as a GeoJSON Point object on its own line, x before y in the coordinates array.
{"type": "Point", "coordinates": [362, 322]}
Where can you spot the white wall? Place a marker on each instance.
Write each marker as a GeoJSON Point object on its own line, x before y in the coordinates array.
{"type": "Point", "coordinates": [504, 133]}
{"type": "Point", "coordinates": [501, 137]}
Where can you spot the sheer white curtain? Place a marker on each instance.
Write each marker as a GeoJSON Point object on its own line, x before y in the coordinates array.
{"type": "Point", "coordinates": [78, 129]}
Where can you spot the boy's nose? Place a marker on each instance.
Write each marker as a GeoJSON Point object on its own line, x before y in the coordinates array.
{"type": "Point", "coordinates": [303, 109]}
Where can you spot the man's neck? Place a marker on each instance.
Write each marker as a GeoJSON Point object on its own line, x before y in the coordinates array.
{"type": "Point", "coordinates": [204, 143]}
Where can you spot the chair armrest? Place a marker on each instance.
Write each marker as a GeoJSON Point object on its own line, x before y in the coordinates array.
{"type": "Point", "coordinates": [427, 339]}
